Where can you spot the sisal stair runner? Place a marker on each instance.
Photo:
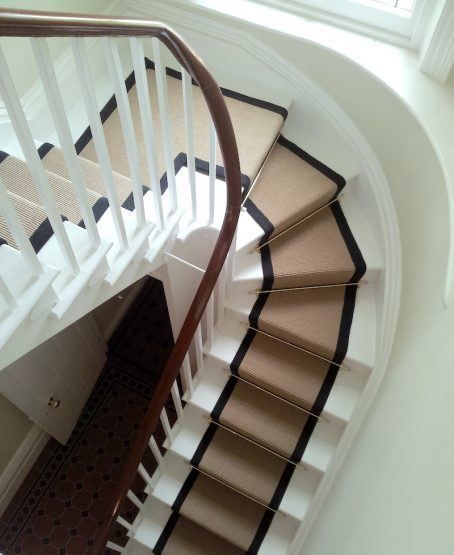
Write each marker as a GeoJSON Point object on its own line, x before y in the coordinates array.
{"type": "Point", "coordinates": [287, 362]}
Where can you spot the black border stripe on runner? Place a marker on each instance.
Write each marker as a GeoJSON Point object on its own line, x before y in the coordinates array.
{"type": "Point", "coordinates": [44, 149]}
{"type": "Point", "coordinates": [166, 532]}
{"type": "Point", "coordinates": [3, 156]}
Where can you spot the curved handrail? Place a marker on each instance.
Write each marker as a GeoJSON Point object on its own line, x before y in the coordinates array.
{"type": "Point", "coordinates": [46, 24]}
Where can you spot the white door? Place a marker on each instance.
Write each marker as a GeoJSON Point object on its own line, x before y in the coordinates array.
{"type": "Point", "coordinates": [52, 383]}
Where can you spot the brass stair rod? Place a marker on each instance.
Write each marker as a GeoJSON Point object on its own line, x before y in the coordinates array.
{"type": "Point", "coordinates": [340, 366]}
{"type": "Point", "coordinates": [260, 291]}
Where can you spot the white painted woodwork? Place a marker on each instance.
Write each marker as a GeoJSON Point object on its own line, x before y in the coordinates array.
{"type": "Point", "coordinates": [64, 368]}
{"type": "Point", "coordinates": [89, 96]}
{"type": "Point", "coordinates": [212, 172]}
{"type": "Point", "coordinates": [166, 128]}
{"type": "Point", "coordinates": [189, 129]}
{"type": "Point", "coordinates": [124, 111]}
{"type": "Point", "coordinates": [57, 109]}
{"type": "Point", "coordinates": [149, 138]}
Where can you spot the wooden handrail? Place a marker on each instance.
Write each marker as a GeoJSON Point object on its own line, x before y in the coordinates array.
{"type": "Point", "coordinates": [46, 24]}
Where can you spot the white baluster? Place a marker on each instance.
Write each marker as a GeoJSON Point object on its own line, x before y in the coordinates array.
{"type": "Point", "coordinates": [210, 322]}
{"type": "Point", "coordinates": [127, 126]}
{"type": "Point", "coordinates": [7, 294]}
{"type": "Point", "coordinates": [189, 128]}
{"type": "Point", "coordinates": [161, 83]}
{"type": "Point", "coordinates": [198, 347]}
{"type": "Point", "coordinates": [220, 295]}
{"type": "Point", "coordinates": [177, 400]}
{"type": "Point", "coordinates": [230, 269]}
{"type": "Point", "coordinates": [156, 451]}
{"type": "Point", "coordinates": [212, 172]}
{"type": "Point", "coordinates": [144, 474]}
{"type": "Point", "coordinates": [186, 376]}
{"type": "Point", "coordinates": [18, 232]}
{"type": "Point", "coordinates": [88, 93]}
{"type": "Point", "coordinates": [166, 425]}
{"type": "Point", "coordinates": [124, 522]}
{"type": "Point", "coordinates": [115, 547]}
{"type": "Point", "coordinates": [143, 95]}
{"type": "Point", "coordinates": [27, 144]}
{"type": "Point", "coordinates": [57, 109]}
{"type": "Point", "coordinates": [134, 499]}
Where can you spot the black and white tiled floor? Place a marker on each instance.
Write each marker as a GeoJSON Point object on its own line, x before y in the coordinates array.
{"type": "Point", "coordinates": [68, 492]}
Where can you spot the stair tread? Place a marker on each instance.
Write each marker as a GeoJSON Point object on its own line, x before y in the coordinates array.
{"type": "Point", "coordinates": [54, 161]}
{"type": "Point", "coordinates": [287, 372]}
{"type": "Point", "coordinates": [302, 188]}
{"type": "Point", "coordinates": [312, 253]}
{"type": "Point", "coordinates": [240, 464]}
{"type": "Point", "coordinates": [253, 125]}
{"type": "Point", "coordinates": [221, 510]}
{"type": "Point", "coordinates": [309, 318]}
{"type": "Point", "coordinates": [33, 218]}
{"type": "Point", "coordinates": [18, 179]}
{"type": "Point", "coordinates": [191, 539]}
{"type": "Point", "coordinates": [264, 419]}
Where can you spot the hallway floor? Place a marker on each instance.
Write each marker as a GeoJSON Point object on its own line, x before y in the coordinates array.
{"type": "Point", "coordinates": [68, 492]}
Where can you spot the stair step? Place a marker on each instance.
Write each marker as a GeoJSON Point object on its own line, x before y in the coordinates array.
{"type": "Point", "coordinates": [18, 179]}
{"type": "Point", "coordinates": [253, 125]}
{"type": "Point", "coordinates": [342, 398]}
{"type": "Point", "coordinates": [302, 187]}
{"type": "Point", "coordinates": [312, 253]}
{"type": "Point", "coordinates": [54, 161]}
{"type": "Point", "coordinates": [294, 500]}
{"type": "Point", "coordinates": [219, 509]}
{"type": "Point", "coordinates": [188, 537]}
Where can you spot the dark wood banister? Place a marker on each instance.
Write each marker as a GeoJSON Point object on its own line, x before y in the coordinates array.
{"type": "Point", "coordinates": [46, 24]}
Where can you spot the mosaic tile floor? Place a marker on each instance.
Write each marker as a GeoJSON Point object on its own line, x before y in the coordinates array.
{"type": "Point", "coordinates": [68, 492]}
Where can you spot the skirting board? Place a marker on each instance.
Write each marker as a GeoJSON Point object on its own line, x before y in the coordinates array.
{"type": "Point", "coordinates": [20, 465]}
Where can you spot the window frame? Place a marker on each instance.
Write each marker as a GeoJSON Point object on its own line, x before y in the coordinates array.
{"type": "Point", "coordinates": [389, 24]}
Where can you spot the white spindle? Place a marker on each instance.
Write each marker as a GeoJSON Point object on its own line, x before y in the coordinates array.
{"type": "Point", "coordinates": [156, 451]}
{"type": "Point", "coordinates": [220, 295]}
{"type": "Point", "coordinates": [124, 522]}
{"type": "Point", "coordinates": [115, 547]}
{"type": "Point", "coordinates": [189, 128]}
{"type": "Point", "coordinates": [25, 138]}
{"type": "Point", "coordinates": [166, 424]}
{"type": "Point", "coordinates": [177, 400]}
{"type": "Point", "coordinates": [198, 347]}
{"type": "Point", "coordinates": [212, 172]}
{"type": "Point", "coordinates": [134, 499]}
{"type": "Point", "coordinates": [210, 322]}
{"type": "Point", "coordinates": [230, 268]}
{"type": "Point", "coordinates": [57, 109]}
{"type": "Point", "coordinates": [161, 84]}
{"type": "Point", "coordinates": [18, 232]}
{"type": "Point", "coordinates": [127, 126]}
{"type": "Point", "coordinates": [186, 376]}
{"type": "Point", "coordinates": [7, 295]}
{"type": "Point", "coordinates": [88, 93]}
{"type": "Point", "coordinates": [143, 95]}
{"type": "Point", "coordinates": [144, 474]}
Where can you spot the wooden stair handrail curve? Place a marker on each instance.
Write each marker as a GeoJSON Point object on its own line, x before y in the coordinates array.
{"type": "Point", "coordinates": [21, 23]}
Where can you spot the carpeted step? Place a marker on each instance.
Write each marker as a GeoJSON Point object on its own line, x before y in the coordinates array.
{"type": "Point", "coordinates": [262, 418]}
{"type": "Point", "coordinates": [240, 464]}
{"type": "Point", "coordinates": [285, 371]}
{"type": "Point", "coordinates": [221, 510]}
{"type": "Point", "coordinates": [18, 179]}
{"type": "Point", "coordinates": [292, 185]}
{"type": "Point", "coordinates": [53, 161]}
{"type": "Point", "coordinates": [312, 253]}
{"type": "Point", "coordinates": [188, 538]}
{"type": "Point", "coordinates": [33, 218]}
{"type": "Point", "coordinates": [308, 318]}
{"type": "Point", "coordinates": [256, 124]}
